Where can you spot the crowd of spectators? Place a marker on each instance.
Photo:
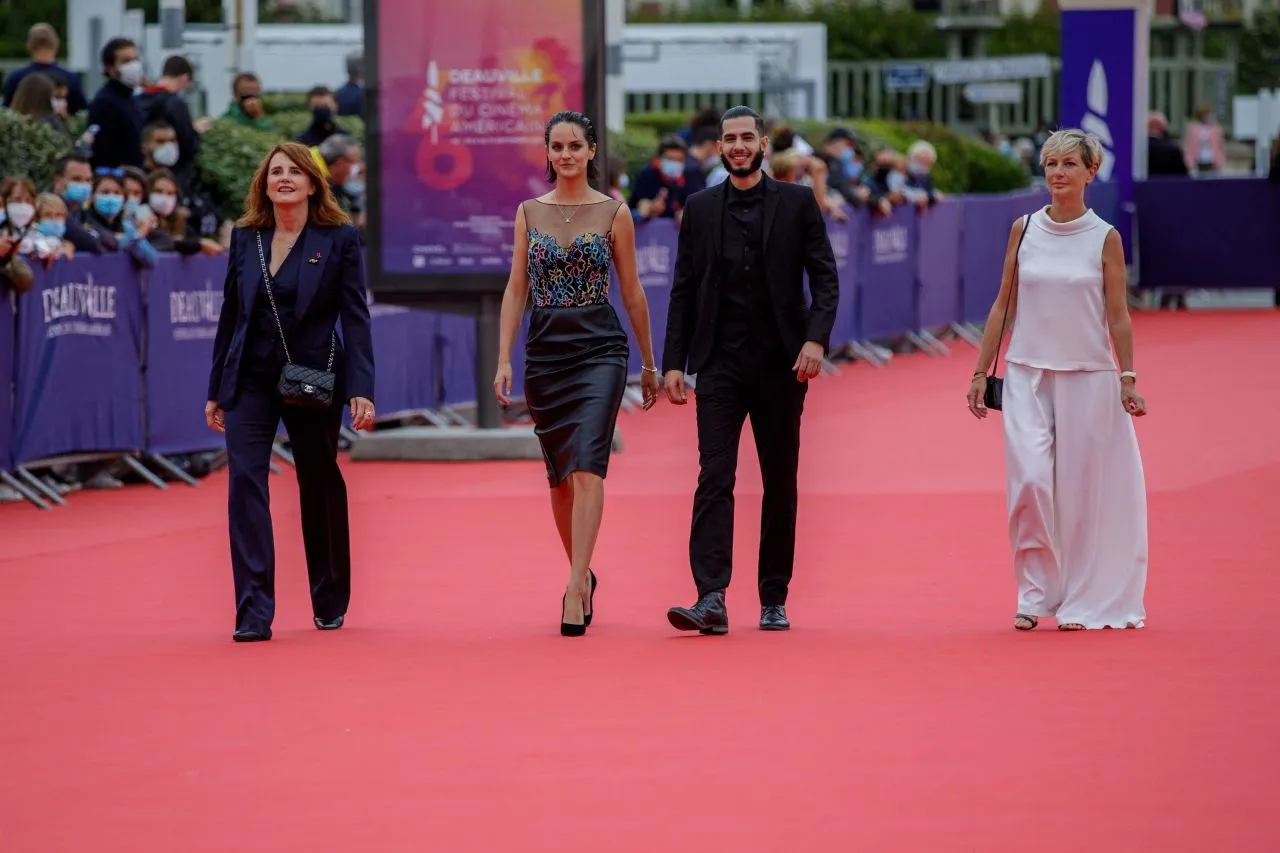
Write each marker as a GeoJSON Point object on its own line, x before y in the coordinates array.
{"type": "Point", "coordinates": [129, 183]}
{"type": "Point", "coordinates": [839, 172]}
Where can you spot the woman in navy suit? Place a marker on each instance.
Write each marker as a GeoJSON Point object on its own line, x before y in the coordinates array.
{"type": "Point", "coordinates": [295, 269]}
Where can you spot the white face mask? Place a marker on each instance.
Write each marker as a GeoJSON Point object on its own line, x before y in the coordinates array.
{"type": "Point", "coordinates": [131, 73]}
{"type": "Point", "coordinates": [21, 213]}
{"type": "Point", "coordinates": [165, 154]}
{"type": "Point", "coordinates": [162, 204]}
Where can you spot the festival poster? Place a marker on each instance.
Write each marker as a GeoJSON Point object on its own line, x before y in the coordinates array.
{"type": "Point", "coordinates": [466, 90]}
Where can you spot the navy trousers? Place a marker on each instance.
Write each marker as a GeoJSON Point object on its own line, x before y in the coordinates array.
{"type": "Point", "coordinates": [251, 426]}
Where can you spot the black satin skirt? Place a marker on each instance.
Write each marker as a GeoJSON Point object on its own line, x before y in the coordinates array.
{"type": "Point", "coordinates": [575, 376]}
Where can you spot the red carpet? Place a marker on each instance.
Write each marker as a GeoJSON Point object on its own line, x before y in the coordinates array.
{"type": "Point", "coordinates": [902, 713]}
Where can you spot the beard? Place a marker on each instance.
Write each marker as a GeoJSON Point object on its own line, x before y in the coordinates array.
{"type": "Point", "coordinates": [747, 170]}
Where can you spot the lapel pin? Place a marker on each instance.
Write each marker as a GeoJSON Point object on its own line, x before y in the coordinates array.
{"type": "Point", "coordinates": [314, 260]}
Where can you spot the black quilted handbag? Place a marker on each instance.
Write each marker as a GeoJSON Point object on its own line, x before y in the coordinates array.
{"type": "Point", "coordinates": [299, 385]}
{"type": "Point", "coordinates": [993, 397]}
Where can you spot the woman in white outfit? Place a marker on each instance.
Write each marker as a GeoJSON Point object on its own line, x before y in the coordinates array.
{"type": "Point", "coordinates": [1076, 492]}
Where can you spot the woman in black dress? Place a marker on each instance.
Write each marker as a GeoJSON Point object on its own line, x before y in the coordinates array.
{"type": "Point", "coordinates": [576, 354]}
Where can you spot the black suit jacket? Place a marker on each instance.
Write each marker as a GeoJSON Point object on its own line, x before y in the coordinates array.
{"type": "Point", "coordinates": [330, 289]}
{"type": "Point", "coordinates": [795, 242]}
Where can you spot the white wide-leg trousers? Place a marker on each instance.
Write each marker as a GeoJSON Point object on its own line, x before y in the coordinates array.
{"type": "Point", "coordinates": [1077, 498]}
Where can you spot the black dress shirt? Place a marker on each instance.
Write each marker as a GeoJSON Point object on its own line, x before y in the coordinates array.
{"type": "Point", "coordinates": [746, 311]}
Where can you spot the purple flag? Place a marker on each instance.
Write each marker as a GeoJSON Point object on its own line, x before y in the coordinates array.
{"type": "Point", "coordinates": [184, 298]}
{"type": "Point", "coordinates": [79, 380]}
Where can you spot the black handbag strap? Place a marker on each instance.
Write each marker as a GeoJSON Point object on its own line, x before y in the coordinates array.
{"type": "Point", "coordinates": [266, 282]}
{"type": "Point", "coordinates": [1013, 286]}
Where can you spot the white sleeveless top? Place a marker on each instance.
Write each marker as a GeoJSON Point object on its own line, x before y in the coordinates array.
{"type": "Point", "coordinates": [1061, 313]}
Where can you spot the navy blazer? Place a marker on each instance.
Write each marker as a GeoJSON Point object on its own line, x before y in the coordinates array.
{"type": "Point", "coordinates": [330, 289]}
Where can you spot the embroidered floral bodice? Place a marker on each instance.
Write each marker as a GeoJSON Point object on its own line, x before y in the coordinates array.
{"type": "Point", "coordinates": [569, 261]}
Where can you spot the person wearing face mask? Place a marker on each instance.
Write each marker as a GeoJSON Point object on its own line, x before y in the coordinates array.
{"type": "Point", "coordinates": [163, 103]}
{"type": "Point", "coordinates": [73, 183]}
{"type": "Point", "coordinates": [884, 182]}
{"type": "Point", "coordinates": [323, 107]}
{"type": "Point", "coordinates": [174, 231]}
{"type": "Point", "coordinates": [663, 185]}
{"type": "Point", "coordinates": [106, 216]}
{"type": "Point", "coordinates": [115, 110]}
{"type": "Point", "coordinates": [46, 237]}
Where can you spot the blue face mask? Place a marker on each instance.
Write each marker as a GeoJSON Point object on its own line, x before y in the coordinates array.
{"type": "Point", "coordinates": [853, 169]}
{"type": "Point", "coordinates": [354, 188]}
{"type": "Point", "coordinates": [131, 207]}
{"type": "Point", "coordinates": [672, 168]}
{"type": "Point", "coordinates": [846, 156]}
{"type": "Point", "coordinates": [77, 192]}
{"type": "Point", "coordinates": [108, 205]}
{"type": "Point", "coordinates": [52, 228]}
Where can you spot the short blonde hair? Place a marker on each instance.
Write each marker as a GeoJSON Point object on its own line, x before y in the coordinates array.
{"type": "Point", "coordinates": [1070, 141]}
{"type": "Point", "coordinates": [50, 203]}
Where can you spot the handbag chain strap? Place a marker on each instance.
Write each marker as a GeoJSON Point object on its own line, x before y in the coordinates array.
{"type": "Point", "coordinates": [266, 281]}
{"type": "Point", "coordinates": [1012, 288]}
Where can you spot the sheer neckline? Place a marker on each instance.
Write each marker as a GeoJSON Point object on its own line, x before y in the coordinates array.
{"type": "Point", "coordinates": [579, 204]}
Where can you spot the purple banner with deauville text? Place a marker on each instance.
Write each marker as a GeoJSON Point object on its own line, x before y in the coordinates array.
{"type": "Point", "coordinates": [79, 349]}
{"type": "Point", "coordinates": [466, 94]}
{"type": "Point", "coordinates": [184, 298]}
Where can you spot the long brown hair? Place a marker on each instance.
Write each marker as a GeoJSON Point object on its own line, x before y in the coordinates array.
{"type": "Point", "coordinates": [322, 208]}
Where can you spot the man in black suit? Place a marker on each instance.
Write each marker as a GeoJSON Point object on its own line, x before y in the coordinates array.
{"type": "Point", "coordinates": [738, 319]}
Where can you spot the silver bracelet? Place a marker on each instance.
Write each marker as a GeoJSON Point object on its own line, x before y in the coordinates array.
{"type": "Point", "coordinates": [650, 369]}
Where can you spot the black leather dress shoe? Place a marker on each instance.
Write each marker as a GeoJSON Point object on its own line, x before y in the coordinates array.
{"type": "Point", "coordinates": [773, 617]}
{"type": "Point", "coordinates": [250, 637]}
{"type": "Point", "coordinates": [708, 616]}
{"type": "Point", "coordinates": [329, 624]}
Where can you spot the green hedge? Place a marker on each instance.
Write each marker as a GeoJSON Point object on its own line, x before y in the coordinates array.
{"type": "Point", "coordinates": [231, 152]}
{"type": "Point", "coordinates": [29, 149]}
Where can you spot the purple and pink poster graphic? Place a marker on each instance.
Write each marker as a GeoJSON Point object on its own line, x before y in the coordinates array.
{"type": "Point", "coordinates": [466, 93]}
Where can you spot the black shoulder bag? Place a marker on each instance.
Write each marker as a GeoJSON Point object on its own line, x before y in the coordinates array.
{"type": "Point", "coordinates": [308, 387]}
{"type": "Point", "coordinates": [993, 397]}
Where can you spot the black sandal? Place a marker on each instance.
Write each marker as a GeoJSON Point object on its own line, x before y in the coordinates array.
{"type": "Point", "coordinates": [1034, 620]}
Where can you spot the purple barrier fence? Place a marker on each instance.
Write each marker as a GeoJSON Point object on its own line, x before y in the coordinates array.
{"type": "Point", "coordinates": [8, 331]}
{"type": "Point", "coordinates": [846, 240]}
{"type": "Point", "coordinates": [1234, 243]}
{"type": "Point", "coordinates": [938, 265]}
{"type": "Point", "coordinates": [184, 298]}
{"type": "Point", "coordinates": [79, 348]}
{"type": "Point", "coordinates": [887, 273]}
{"type": "Point", "coordinates": [456, 355]}
{"type": "Point", "coordinates": [656, 244]}
{"type": "Point", "coordinates": [987, 220]}
{"type": "Point", "coordinates": [406, 371]}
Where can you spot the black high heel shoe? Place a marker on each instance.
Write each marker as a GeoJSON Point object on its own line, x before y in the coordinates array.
{"type": "Point", "coordinates": [591, 599]}
{"type": "Point", "coordinates": [568, 629]}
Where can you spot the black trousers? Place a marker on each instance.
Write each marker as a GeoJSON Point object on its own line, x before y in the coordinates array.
{"type": "Point", "coordinates": [752, 382]}
{"type": "Point", "coordinates": [251, 426]}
